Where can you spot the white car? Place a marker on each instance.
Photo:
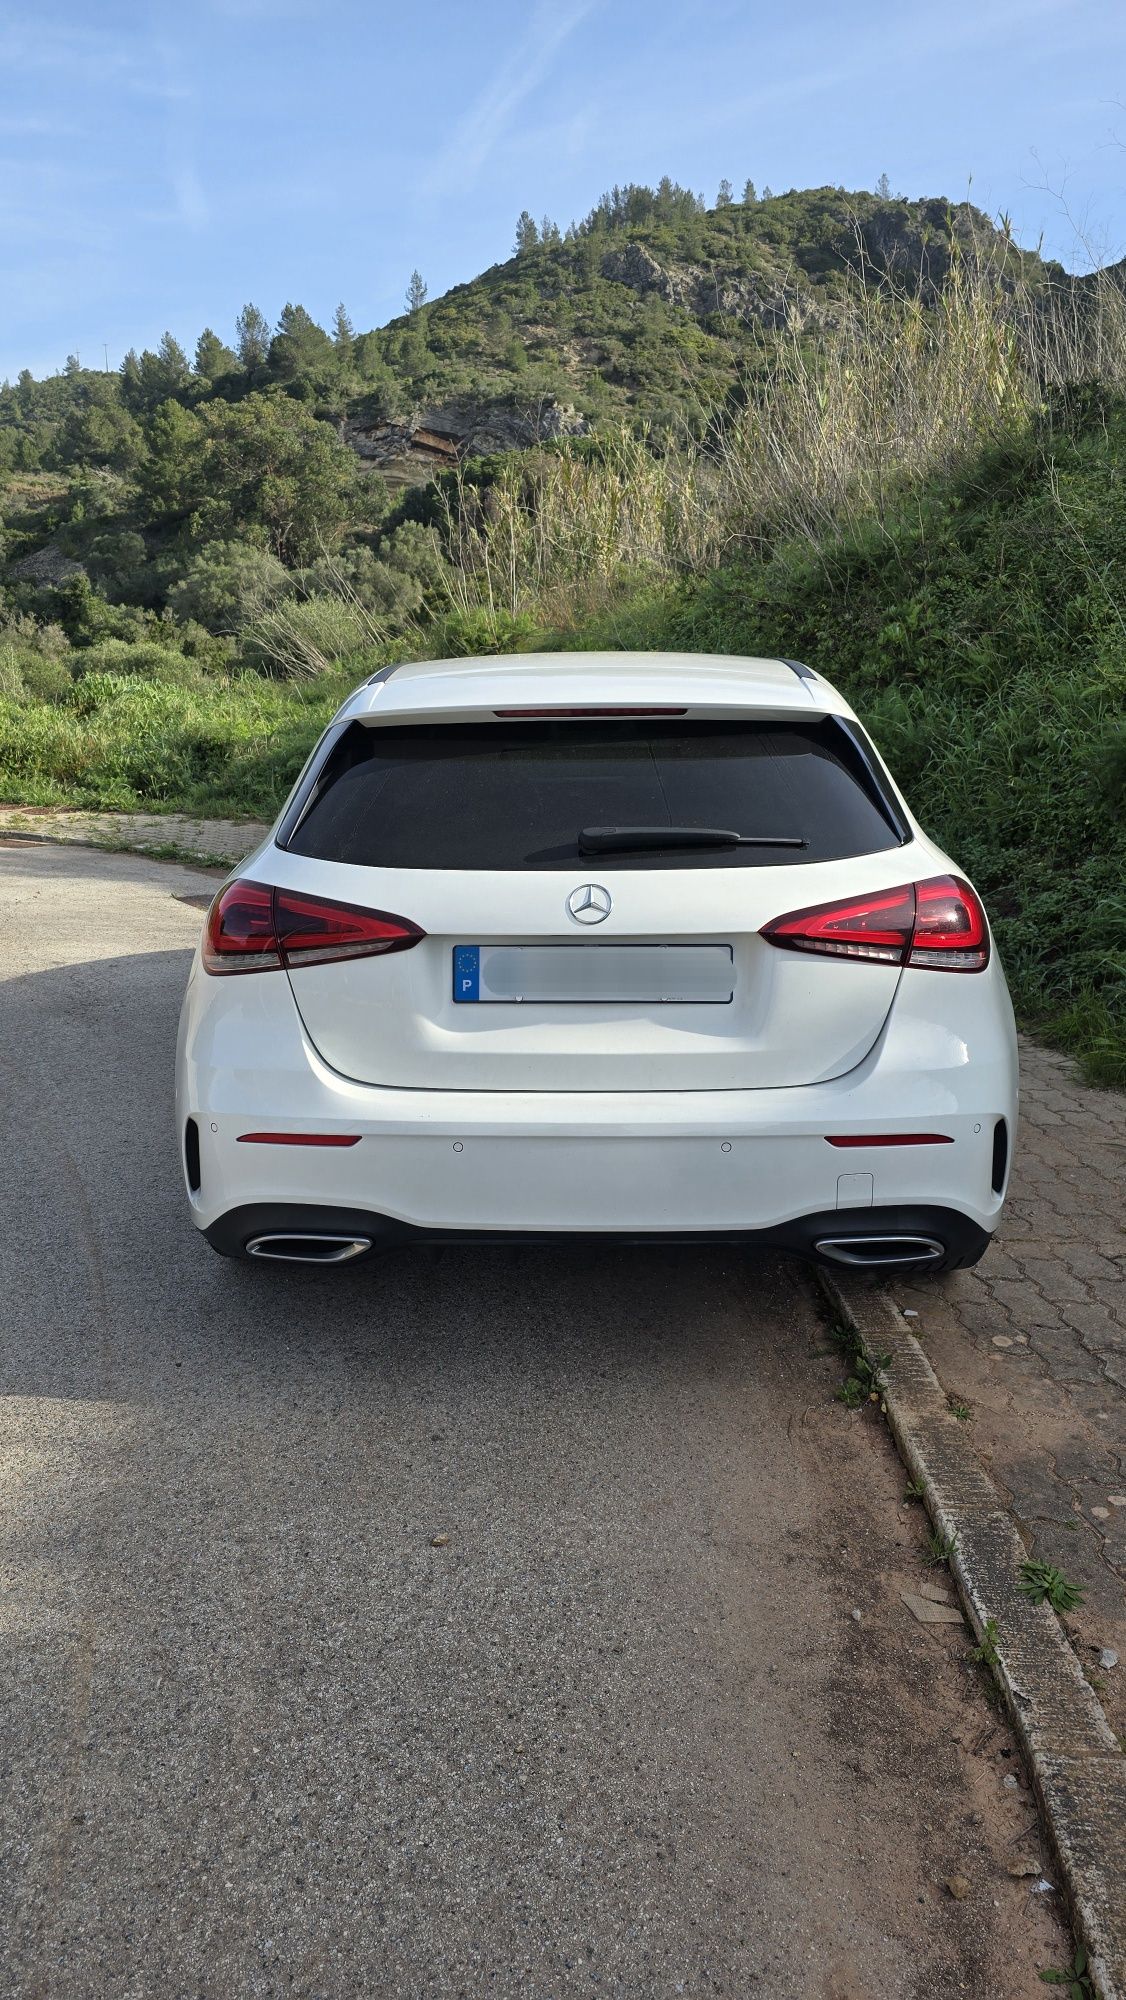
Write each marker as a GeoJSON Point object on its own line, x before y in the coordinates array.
{"type": "Point", "coordinates": [608, 944]}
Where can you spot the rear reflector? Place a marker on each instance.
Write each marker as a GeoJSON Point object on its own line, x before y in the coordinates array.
{"type": "Point", "coordinates": [191, 1154]}
{"type": "Point", "coordinates": [938, 923]}
{"type": "Point", "coordinates": [595, 714]}
{"type": "Point", "coordinates": [253, 928]}
{"type": "Point", "coordinates": [891, 1139]}
{"type": "Point", "coordinates": [299, 1138]}
{"type": "Point", "coordinates": [1000, 1155]}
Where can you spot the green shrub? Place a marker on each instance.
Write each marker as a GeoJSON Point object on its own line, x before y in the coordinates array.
{"type": "Point", "coordinates": [227, 585]}
{"type": "Point", "coordinates": [46, 676]}
{"type": "Point", "coordinates": [144, 661]}
{"type": "Point", "coordinates": [12, 686]}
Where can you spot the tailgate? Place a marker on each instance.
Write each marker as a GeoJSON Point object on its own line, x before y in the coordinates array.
{"type": "Point", "coordinates": [758, 1018]}
{"type": "Point", "coordinates": [584, 968]}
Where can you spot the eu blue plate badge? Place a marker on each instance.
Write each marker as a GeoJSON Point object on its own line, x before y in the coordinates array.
{"type": "Point", "coordinates": [467, 972]}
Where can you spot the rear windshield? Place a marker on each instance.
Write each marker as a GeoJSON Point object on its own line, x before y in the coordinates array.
{"type": "Point", "coordinates": [516, 795]}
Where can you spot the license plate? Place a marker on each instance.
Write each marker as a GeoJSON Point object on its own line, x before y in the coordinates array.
{"type": "Point", "coordinates": [592, 974]}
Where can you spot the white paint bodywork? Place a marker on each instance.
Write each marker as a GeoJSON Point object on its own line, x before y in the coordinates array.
{"type": "Point", "coordinates": [669, 1118]}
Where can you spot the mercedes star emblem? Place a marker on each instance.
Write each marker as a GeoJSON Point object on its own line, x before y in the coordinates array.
{"type": "Point", "coordinates": [590, 903]}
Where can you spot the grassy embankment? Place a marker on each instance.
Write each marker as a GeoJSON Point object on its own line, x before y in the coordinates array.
{"type": "Point", "coordinates": [928, 507]}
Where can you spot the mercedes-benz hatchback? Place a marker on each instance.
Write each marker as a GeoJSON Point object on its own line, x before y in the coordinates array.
{"type": "Point", "coordinates": [635, 944]}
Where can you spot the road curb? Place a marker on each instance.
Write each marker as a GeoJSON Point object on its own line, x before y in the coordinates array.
{"type": "Point", "coordinates": [188, 857]}
{"type": "Point", "coordinates": [1077, 1768]}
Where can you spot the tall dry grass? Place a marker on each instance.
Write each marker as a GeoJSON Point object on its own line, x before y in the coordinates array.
{"type": "Point", "coordinates": [840, 426]}
{"type": "Point", "coordinates": [565, 521]}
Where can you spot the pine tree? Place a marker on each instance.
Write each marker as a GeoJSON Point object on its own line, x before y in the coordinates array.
{"type": "Point", "coordinates": [550, 235]}
{"type": "Point", "coordinates": [416, 293]}
{"type": "Point", "coordinates": [768, 194]}
{"type": "Point", "coordinates": [343, 335]}
{"type": "Point", "coordinates": [300, 349]}
{"type": "Point", "coordinates": [527, 235]}
{"type": "Point", "coordinates": [130, 373]}
{"type": "Point", "coordinates": [883, 188]}
{"type": "Point", "coordinates": [252, 333]}
{"type": "Point", "coordinates": [725, 197]}
{"type": "Point", "coordinates": [749, 193]}
{"type": "Point", "coordinates": [173, 360]}
{"type": "Point", "coordinates": [213, 357]}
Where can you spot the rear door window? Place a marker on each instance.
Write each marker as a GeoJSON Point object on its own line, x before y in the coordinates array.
{"type": "Point", "coordinates": [504, 796]}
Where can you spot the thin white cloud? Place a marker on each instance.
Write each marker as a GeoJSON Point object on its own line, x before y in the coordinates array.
{"type": "Point", "coordinates": [889, 46]}
{"type": "Point", "coordinates": [31, 127]}
{"type": "Point", "coordinates": [487, 120]}
{"type": "Point", "coordinates": [191, 202]}
{"type": "Point", "coordinates": [87, 56]}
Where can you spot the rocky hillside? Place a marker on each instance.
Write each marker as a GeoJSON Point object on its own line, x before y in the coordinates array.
{"type": "Point", "coordinates": [656, 308]}
{"type": "Point", "coordinates": [653, 307]}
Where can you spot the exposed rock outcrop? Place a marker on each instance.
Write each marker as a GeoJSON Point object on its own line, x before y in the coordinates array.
{"type": "Point", "coordinates": [913, 242]}
{"type": "Point", "coordinates": [441, 435]}
{"type": "Point", "coordinates": [701, 291]}
{"type": "Point", "coordinates": [46, 567]}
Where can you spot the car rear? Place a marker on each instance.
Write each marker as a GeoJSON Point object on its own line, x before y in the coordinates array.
{"type": "Point", "coordinates": [590, 945]}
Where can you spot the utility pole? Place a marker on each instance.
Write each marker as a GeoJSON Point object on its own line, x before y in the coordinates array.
{"type": "Point", "coordinates": [105, 351]}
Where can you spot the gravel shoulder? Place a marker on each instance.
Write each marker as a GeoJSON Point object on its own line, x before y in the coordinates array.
{"type": "Point", "coordinates": [482, 1623]}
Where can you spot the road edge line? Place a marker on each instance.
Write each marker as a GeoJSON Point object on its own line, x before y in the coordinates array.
{"type": "Point", "coordinates": [1077, 1766]}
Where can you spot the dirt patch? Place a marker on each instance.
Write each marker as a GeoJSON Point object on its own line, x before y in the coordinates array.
{"type": "Point", "coordinates": [902, 1716]}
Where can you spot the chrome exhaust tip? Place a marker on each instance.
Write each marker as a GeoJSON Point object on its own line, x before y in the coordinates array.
{"type": "Point", "coordinates": [872, 1253]}
{"type": "Point", "coordinates": [308, 1249]}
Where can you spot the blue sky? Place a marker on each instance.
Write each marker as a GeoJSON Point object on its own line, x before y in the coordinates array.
{"type": "Point", "coordinates": [160, 165]}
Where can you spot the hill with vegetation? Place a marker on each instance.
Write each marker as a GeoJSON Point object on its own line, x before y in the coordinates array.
{"type": "Point", "coordinates": [873, 432]}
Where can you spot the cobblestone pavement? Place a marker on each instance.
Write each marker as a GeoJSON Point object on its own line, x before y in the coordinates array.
{"type": "Point", "coordinates": [221, 841]}
{"type": "Point", "coordinates": [1034, 1341]}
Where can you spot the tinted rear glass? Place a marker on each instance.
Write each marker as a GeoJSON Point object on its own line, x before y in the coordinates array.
{"type": "Point", "coordinates": [516, 795]}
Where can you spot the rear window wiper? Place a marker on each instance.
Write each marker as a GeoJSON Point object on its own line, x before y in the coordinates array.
{"type": "Point", "coordinates": [666, 839]}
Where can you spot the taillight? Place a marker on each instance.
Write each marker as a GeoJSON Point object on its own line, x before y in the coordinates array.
{"type": "Point", "coordinates": [951, 933]}
{"type": "Point", "coordinates": [239, 933]}
{"type": "Point", "coordinates": [312, 931]}
{"type": "Point", "coordinates": [253, 928]}
{"type": "Point", "coordinates": [939, 923]}
{"type": "Point", "coordinates": [877, 926]}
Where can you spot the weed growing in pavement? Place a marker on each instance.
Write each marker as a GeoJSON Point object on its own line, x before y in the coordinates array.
{"type": "Point", "coordinates": [942, 1548]}
{"type": "Point", "coordinates": [1041, 1581]}
{"type": "Point", "coordinates": [1075, 1977]}
{"type": "Point", "coordinates": [866, 1379]}
{"type": "Point", "coordinates": [985, 1654]}
{"type": "Point", "coordinates": [960, 1410]}
{"type": "Point", "coordinates": [912, 1491]}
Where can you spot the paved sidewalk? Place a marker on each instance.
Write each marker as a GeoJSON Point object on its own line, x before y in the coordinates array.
{"type": "Point", "coordinates": [1034, 1342]}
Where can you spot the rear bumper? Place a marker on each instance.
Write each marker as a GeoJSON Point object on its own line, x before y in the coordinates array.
{"type": "Point", "coordinates": [752, 1164]}
{"type": "Point", "coordinates": [599, 1183]}
{"type": "Point", "coordinates": [892, 1238]}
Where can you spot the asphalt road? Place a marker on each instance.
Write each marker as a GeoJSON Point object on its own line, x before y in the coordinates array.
{"type": "Point", "coordinates": [620, 1734]}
